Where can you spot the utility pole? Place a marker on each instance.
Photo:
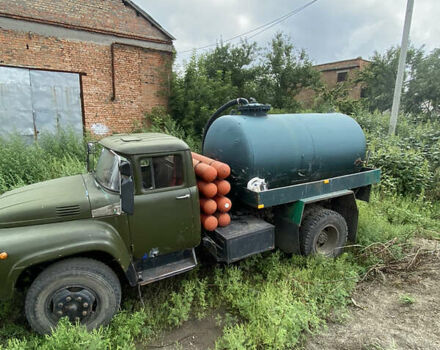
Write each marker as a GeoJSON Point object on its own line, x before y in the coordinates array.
{"type": "Point", "coordinates": [401, 68]}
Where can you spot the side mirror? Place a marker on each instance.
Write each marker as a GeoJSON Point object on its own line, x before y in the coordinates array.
{"type": "Point", "coordinates": [91, 149]}
{"type": "Point", "coordinates": [127, 188]}
{"type": "Point", "coordinates": [125, 168]}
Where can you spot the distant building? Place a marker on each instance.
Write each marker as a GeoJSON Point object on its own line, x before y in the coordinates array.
{"type": "Point", "coordinates": [97, 66]}
{"type": "Point", "coordinates": [333, 73]}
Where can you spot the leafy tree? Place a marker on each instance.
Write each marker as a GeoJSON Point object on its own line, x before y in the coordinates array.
{"type": "Point", "coordinates": [379, 77]}
{"type": "Point", "coordinates": [244, 70]}
{"type": "Point", "coordinates": [239, 61]}
{"type": "Point", "coordinates": [286, 72]}
{"type": "Point", "coordinates": [195, 95]}
{"type": "Point", "coordinates": [423, 93]}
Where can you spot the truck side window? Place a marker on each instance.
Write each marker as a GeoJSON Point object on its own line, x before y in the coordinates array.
{"type": "Point", "coordinates": [168, 171]}
{"type": "Point", "coordinates": [161, 172]}
{"type": "Point", "coordinates": [147, 182]}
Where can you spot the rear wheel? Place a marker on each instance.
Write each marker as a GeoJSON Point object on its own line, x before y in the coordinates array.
{"type": "Point", "coordinates": [323, 231]}
{"type": "Point", "coordinates": [84, 290]}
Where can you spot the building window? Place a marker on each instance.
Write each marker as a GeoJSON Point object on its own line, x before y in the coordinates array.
{"type": "Point", "coordinates": [363, 92]}
{"type": "Point", "coordinates": [342, 76]}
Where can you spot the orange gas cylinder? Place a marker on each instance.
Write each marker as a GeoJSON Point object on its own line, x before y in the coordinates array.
{"type": "Point", "coordinates": [209, 222]}
{"type": "Point", "coordinates": [204, 171]}
{"type": "Point", "coordinates": [223, 187]}
{"type": "Point", "coordinates": [223, 204]}
{"type": "Point", "coordinates": [208, 189]}
{"type": "Point", "coordinates": [224, 219]}
{"type": "Point", "coordinates": [223, 170]}
{"type": "Point", "coordinates": [208, 206]}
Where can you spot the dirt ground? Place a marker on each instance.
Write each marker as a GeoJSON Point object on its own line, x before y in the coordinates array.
{"type": "Point", "coordinates": [395, 311]}
{"type": "Point", "coordinates": [192, 335]}
{"type": "Point", "coordinates": [398, 311]}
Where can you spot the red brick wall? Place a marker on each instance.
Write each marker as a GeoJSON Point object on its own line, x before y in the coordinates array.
{"type": "Point", "coordinates": [330, 79]}
{"type": "Point", "coordinates": [139, 74]}
{"type": "Point", "coordinates": [105, 15]}
{"type": "Point", "coordinates": [329, 75]}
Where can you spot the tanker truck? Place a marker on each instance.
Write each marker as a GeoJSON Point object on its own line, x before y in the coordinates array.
{"type": "Point", "coordinates": [135, 219]}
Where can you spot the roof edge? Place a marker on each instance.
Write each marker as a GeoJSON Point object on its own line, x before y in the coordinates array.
{"type": "Point", "coordinates": [342, 61]}
{"type": "Point", "coordinates": [148, 18]}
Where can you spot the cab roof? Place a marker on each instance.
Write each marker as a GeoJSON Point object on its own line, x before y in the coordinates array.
{"type": "Point", "coordinates": [131, 144]}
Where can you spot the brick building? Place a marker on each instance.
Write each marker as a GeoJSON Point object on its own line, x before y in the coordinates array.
{"type": "Point", "coordinates": [97, 65]}
{"type": "Point", "coordinates": [334, 73]}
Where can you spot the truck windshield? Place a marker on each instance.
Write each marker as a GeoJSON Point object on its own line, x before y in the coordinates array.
{"type": "Point", "coordinates": [107, 170]}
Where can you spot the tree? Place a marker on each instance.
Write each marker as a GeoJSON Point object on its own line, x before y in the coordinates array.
{"type": "Point", "coordinates": [379, 77]}
{"type": "Point", "coordinates": [195, 94]}
{"type": "Point", "coordinates": [423, 93]}
{"type": "Point", "coordinates": [286, 72]}
{"type": "Point", "coordinates": [238, 61]}
{"type": "Point", "coordinates": [227, 72]}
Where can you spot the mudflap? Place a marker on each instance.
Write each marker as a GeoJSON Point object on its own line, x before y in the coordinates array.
{"type": "Point", "coordinates": [287, 221]}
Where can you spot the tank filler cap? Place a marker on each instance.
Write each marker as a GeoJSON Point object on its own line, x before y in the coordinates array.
{"type": "Point", "coordinates": [254, 109]}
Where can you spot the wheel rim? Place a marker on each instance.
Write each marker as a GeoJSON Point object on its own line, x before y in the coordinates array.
{"type": "Point", "coordinates": [78, 303]}
{"type": "Point", "coordinates": [326, 241]}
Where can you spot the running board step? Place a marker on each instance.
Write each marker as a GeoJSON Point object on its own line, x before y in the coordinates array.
{"type": "Point", "coordinates": [168, 265]}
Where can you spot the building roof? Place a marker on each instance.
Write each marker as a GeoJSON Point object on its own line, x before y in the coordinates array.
{"type": "Point", "coordinates": [343, 64]}
{"type": "Point", "coordinates": [144, 143]}
{"type": "Point", "coordinates": [148, 17]}
{"type": "Point", "coordinates": [121, 18]}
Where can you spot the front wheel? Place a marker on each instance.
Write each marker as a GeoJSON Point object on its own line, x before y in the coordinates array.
{"type": "Point", "coordinates": [323, 231]}
{"type": "Point", "coordinates": [84, 290]}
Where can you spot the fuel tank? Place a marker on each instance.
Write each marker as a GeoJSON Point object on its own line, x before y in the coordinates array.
{"type": "Point", "coordinates": [285, 149]}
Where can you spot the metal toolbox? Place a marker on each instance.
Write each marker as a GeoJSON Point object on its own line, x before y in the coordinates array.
{"type": "Point", "coordinates": [245, 236]}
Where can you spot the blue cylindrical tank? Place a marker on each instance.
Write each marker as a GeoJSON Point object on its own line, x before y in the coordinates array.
{"type": "Point", "coordinates": [286, 149]}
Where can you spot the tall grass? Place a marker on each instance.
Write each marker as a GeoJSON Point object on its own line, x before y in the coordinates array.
{"type": "Point", "coordinates": [50, 157]}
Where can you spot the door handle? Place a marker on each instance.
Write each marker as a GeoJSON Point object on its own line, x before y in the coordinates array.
{"type": "Point", "coordinates": [183, 197]}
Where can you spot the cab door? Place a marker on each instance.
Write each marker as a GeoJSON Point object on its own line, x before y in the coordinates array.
{"type": "Point", "coordinates": [163, 218]}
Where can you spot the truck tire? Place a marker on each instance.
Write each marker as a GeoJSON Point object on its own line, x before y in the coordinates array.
{"type": "Point", "coordinates": [323, 231]}
{"type": "Point", "coordinates": [84, 290]}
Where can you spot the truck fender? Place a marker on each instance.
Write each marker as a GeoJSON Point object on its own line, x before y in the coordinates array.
{"type": "Point", "coordinates": [32, 245]}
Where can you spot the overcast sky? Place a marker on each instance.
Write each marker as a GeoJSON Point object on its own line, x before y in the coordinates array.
{"type": "Point", "coordinates": [328, 30]}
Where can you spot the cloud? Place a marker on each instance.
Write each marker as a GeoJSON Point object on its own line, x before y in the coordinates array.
{"type": "Point", "coordinates": [328, 30]}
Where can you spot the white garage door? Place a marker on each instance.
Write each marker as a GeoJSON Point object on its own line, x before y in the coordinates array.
{"type": "Point", "coordinates": [34, 101]}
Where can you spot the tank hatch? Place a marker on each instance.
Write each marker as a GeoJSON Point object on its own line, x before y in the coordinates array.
{"type": "Point", "coordinates": [254, 109]}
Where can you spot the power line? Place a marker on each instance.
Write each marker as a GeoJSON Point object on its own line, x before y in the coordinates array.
{"type": "Point", "coordinates": [259, 29]}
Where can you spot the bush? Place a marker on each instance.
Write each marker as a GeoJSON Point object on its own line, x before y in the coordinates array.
{"type": "Point", "coordinates": [158, 120]}
{"type": "Point", "coordinates": [410, 161]}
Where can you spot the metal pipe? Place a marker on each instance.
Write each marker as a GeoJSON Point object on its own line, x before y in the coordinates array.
{"type": "Point", "coordinates": [218, 113]}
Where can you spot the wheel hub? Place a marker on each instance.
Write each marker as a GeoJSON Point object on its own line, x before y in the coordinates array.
{"type": "Point", "coordinates": [76, 305]}
{"type": "Point", "coordinates": [323, 238]}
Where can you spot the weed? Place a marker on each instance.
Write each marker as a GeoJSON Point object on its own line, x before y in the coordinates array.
{"type": "Point", "coordinates": [406, 299]}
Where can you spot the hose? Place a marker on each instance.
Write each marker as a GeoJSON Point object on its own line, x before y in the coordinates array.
{"type": "Point", "coordinates": [218, 112]}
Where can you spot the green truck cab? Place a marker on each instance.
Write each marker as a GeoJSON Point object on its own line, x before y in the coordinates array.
{"type": "Point", "coordinates": [136, 219]}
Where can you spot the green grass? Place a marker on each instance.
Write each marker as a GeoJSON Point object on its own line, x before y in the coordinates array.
{"type": "Point", "coordinates": [406, 299]}
{"type": "Point", "coordinates": [271, 301]}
